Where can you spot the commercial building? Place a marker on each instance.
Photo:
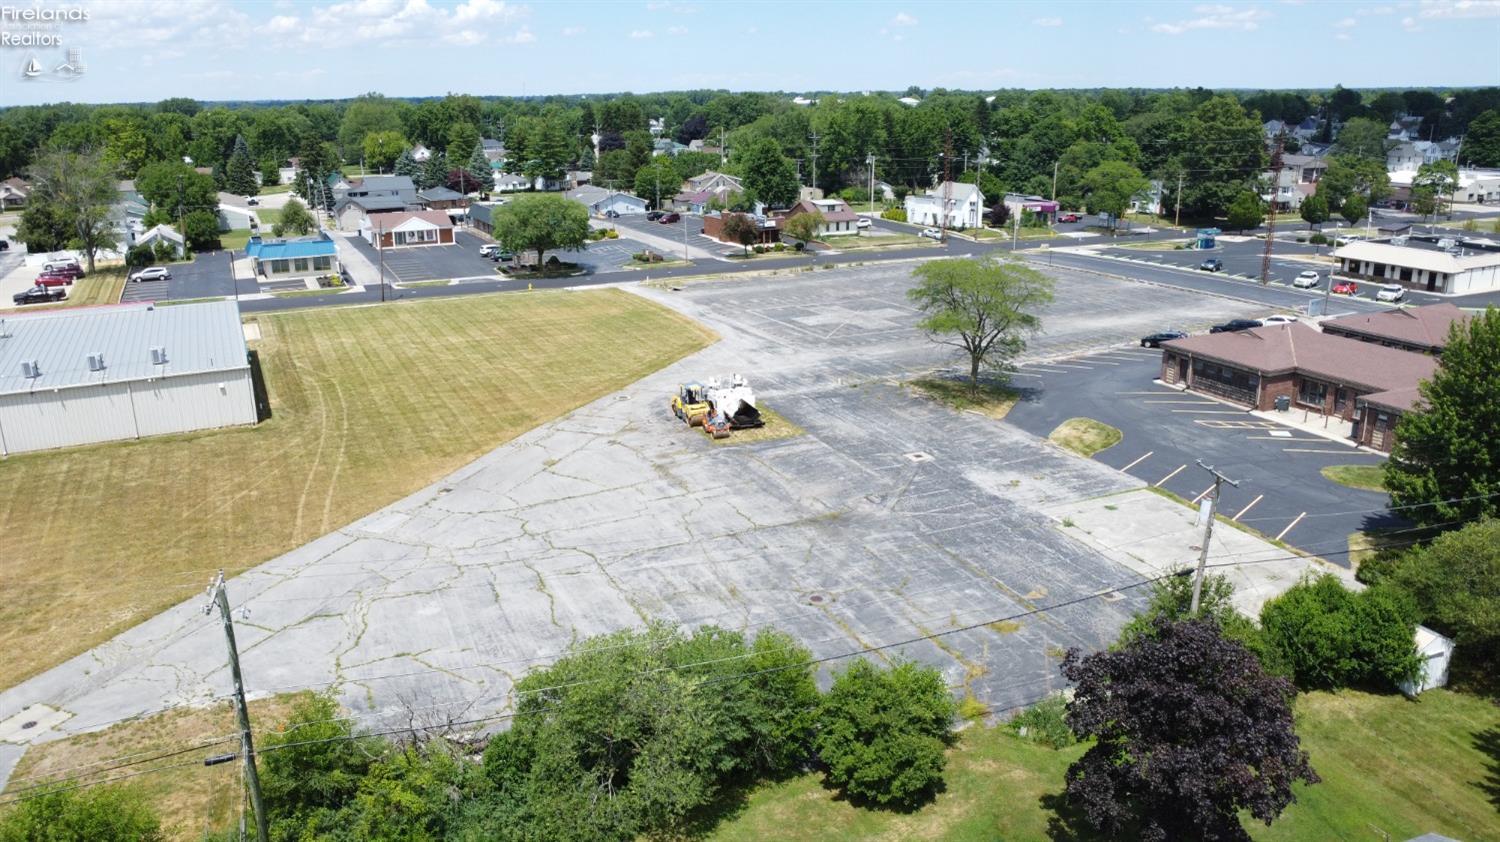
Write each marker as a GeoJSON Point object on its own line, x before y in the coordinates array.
{"type": "Point", "coordinates": [408, 228]}
{"type": "Point", "coordinates": [71, 377]}
{"type": "Point", "coordinates": [277, 259]}
{"type": "Point", "coordinates": [1295, 366]}
{"type": "Point", "coordinates": [1470, 266]}
{"type": "Point", "coordinates": [1423, 330]}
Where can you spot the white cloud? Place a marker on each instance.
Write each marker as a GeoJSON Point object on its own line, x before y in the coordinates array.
{"type": "Point", "coordinates": [903, 19]}
{"type": "Point", "coordinates": [571, 31]}
{"type": "Point", "coordinates": [179, 22]}
{"type": "Point", "coordinates": [1346, 23]}
{"type": "Point", "coordinates": [639, 34]}
{"type": "Point", "coordinates": [1048, 21]}
{"type": "Point", "coordinates": [282, 24]}
{"type": "Point", "coordinates": [474, 11]}
{"type": "Point", "coordinates": [465, 38]}
{"type": "Point", "coordinates": [677, 30]}
{"type": "Point", "coordinates": [524, 35]}
{"type": "Point", "coordinates": [1215, 17]}
{"type": "Point", "coordinates": [1410, 24]}
{"type": "Point", "coordinates": [1448, 9]}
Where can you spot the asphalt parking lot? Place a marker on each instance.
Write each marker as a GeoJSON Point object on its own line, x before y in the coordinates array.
{"type": "Point", "coordinates": [208, 275]}
{"type": "Point", "coordinates": [604, 256]}
{"type": "Point", "coordinates": [430, 263]}
{"type": "Point", "coordinates": [1281, 492]}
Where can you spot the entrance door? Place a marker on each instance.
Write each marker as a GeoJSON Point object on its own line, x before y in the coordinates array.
{"type": "Point", "coordinates": [1182, 368]}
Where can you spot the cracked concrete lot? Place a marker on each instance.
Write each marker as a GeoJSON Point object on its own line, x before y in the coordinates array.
{"type": "Point", "coordinates": [617, 513]}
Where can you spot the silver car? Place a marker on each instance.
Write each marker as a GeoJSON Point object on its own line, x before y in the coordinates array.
{"type": "Point", "coordinates": [151, 273]}
{"type": "Point", "coordinates": [1305, 280]}
{"type": "Point", "coordinates": [1390, 292]}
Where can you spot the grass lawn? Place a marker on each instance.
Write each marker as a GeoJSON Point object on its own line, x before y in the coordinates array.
{"type": "Point", "coordinates": [91, 548]}
{"type": "Point", "coordinates": [308, 293]}
{"type": "Point", "coordinates": [421, 284]}
{"type": "Point", "coordinates": [777, 427]}
{"type": "Point", "coordinates": [992, 400]}
{"type": "Point", "coordinates": [190, 799]}
{"type": "Point", "coordinates": [1399, 767]}
{"type": "Point", "coordinates": [1085, 436]}
{"type": "Point", "coordinates": [1366, 477]}
{"type": "Point", "coordinates": [871, 241]}
{"type": "Point", "coordinates": [101, 286]}
{"type": "Point", "coordinates": [234, 240]}
{"type": "Point", "coordinates": [275, 188]}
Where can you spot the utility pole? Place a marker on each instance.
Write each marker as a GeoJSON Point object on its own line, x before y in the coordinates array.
{"type": "Point", "coordinates": [722, 157]}
{"type": "Point", "coordinates": [870, 159]}
{"type": "Point", "coordinates": [380, 239]}
{"type": "Point", "coordinates": [947, 187]}
{"type": "Point", "coordinates": [1054, 179]}
{"type": "Point", "coordinates": [1177, 215]}
{"type": "Point", "coordinates": [814, 184]}
{"type": "Point", "coordinates": [220, 599]}
{"type": "Point", "coordinates": [1208, 533]}
{"type": "Point", "coordinates": [1265, 257]}
{"type": "Point", "coordinates": [684, 237]}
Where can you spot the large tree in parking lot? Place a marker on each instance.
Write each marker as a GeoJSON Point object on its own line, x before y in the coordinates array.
{"type": "Point", "coordinates": [985, 307]}
{"type": "Point", "coordinates": [541, 222]}
{"type": "Point", "coordinates": [73, 191]}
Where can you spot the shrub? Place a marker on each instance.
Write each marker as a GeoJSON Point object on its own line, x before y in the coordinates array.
{"type": "Point", "coordinates": [613, 234]}
{"type": "Point", "coordinates": [1172, 597]}
{"type": "Point", "coordinates": [781, 246]}
{"type": "Point", "coordinates": [1045, 722]}
{"type": "Point", "coordinates": [82, 815]}
{"type": "Point", "coordinates": [139, 256]}
{"type": "Point", "coordinates": [894, 214]}
{"type": "Point", "coordinates": [312, 765]}
{"type": "Point", "coordinates": [1330, 637]}
{"type": "Point", "coordinates": [1318, 239]}
{"type": "Point", "coordinates": [882, 733]}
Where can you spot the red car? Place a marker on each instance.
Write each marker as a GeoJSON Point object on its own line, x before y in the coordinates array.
{"type": "Point", "coordinates": [67, 270]}
{"type": "Point", "coordinates": [671, 218]}
{"type": "Point", "coordinates": [1345, 288]}
{"type": "Point", "coordinates": [54, 280]}
{"type": "Point", "coordinates": [1067, 217]}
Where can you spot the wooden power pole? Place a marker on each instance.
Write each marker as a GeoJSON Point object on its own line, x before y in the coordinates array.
{"type": "Point", "coordinates": [220, 599]}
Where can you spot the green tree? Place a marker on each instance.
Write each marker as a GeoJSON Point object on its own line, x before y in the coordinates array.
{"type": "Point", "coordinates": [545, 150]}
{"type": "Point", "coordinates": [1331, 637]}
{"type": "Point", "coordinates": [366, 115]}
{"type": "Point", "coordinates": [1246, 211]}
{"type": "Point", "coordinates": [1171, 599]}
{"type": "Point", "coordinates": [312, 765]}
{"type": "Point", "coordinates": [767, 173]}
{"type": "Point", "coordinates": [317, 162]}
{"type": "Point", "coordinates": [176, 188]}
{"type": "Point", "coordinates": [1222, 150]}
{"type": "Point", "coordinates": [270, 170]}
{"type": "Point", "coordinates": [1314, 211]}
{"type": "Point", "coordinates": [1424, 201]}
{"type": "Point", "coordinates": [462, 138]}
{"type": "Point", "coordinates": [1351, 176]}
{"type": "Point", "coordinates": [739, 228]}
{"type": "Point", "coordinates": [985, 307]}
{"type": "Point", "coordinates": [200, 228]}
{"type": "Point", "coordinates": [804, 226]}
{"type": "Point", "coordinates": [1111, 186]}
{"type": "Point", "coordinates": [76, 189]}
{"type": "Point", "coordinates": [1482, 143]}
{"type": "Point", "coordinates": [1363, 138]}
{"type": "Point", "coordinates": [408, 166]}
{"type": "Point", "coordinates": [541, 223]}
{"type": "Point", "coordinates": [82, 815]}
{"type": "Point", "coordinates": [381, 149]}
{"type": "Point", "coordinates": [882, 733]}
{"type": "Point", "coordinates": [44, 227]}
{"type": "Point", "coordinates": [1354, 209]}
{"type": "Point", "coordinates": [658, 178]}
{"type": "Point", "coordinates": [478, 165]}
{"type": "Point", "coordinates": [1440, 178]}
{"type": "Point", "coordinates": [294, 220]}
{"type": "Point", "coordinates": [1445, 464]}
{"type": "Point", "coordinates": [434, 171]}
{"type": "Point", "coordinates": [239, 173]}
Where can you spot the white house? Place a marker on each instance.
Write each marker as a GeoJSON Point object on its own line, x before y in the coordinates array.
{"type": "Point", "coordinates": [600, 202]}
{"type": "Point", "coordinates": [962, 205]}
{"type": "Point", "coordinates": [163, 234]}
{"type": "Point", "coordinates": [1411, 154]}
{"type": "Point", "coordinates": [420, 153]}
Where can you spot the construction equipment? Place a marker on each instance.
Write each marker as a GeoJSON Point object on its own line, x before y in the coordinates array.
{"type": "Point", "coordinates": [731, 407]}
{"type": "Point", "coordinates": [690, 404]}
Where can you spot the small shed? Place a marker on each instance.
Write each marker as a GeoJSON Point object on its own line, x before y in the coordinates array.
{"type": "Point", "coordinates": [1436, 652]}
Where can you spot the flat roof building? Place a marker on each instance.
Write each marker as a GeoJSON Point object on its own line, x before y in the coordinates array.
{"type": "Point", "coordinates": [71, 377]}
{"type": "Point", "coordinates": [1466, 269]}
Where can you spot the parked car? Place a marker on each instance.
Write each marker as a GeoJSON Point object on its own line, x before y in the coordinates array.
{"type": "Point", "coordinates": [1277, 319]}
{"type": "Point", "coordinates": [611, 214]}
{"type": "Point", "coordinates": [1390, 292]}
{"type": "Point", "coordinates": [54, 267]}
{"type": "Point", "coordinates": [4, 245]}
{"type": "Point", "coordinates": [863, 222]}
{"type": "Point", "coordinates": [1213, 264]}
{"type": "Point", "coordinates": [654, 216]}
{"type": "Point", "coordinates": [48, 279]}
{"type": "Point", "coordinates": [1307, 279]}
{"type": "Point", "coordinates": [1067, 217]}
{"type": "Point", "coordinates": [1234, 325]}
{"type": "Point", "coordinates": [38, 294]}
{"type": "Point", "coordinates": [1155, 339]}
{"type": "Point", "coordinates": [670, 218]}
{"type": "Point", "coordinates": [151, 273]}
{"type": "Point", "coordinates": [500, 254]}
{"type": "Point", "coordinates": [933, 233]}
{"type": "Point", "coordinates": [1345, 288]}
{"type": "Point", "coordinates": [252, 201]}
{"type": "Point", "coordinates": [488, 250]}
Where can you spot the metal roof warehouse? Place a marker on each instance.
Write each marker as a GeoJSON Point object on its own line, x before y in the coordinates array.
{"type": "Point", "coordinates": [70, 377]}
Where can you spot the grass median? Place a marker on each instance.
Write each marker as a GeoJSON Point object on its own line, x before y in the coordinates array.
{"type": "Point", "coordinates": [992, 400]}
{"type": "Point", "coordinates": [1085, 436]}
{"type": "Point", "coordinates": [369, 404]}
{"type": "Point", "coordinates": [1363, 477]}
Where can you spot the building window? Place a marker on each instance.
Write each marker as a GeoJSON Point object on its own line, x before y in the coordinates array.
{"type": "Point", "coordinates": [1340, 399]}
{"type": "Point", "coordinates": [280, 266]}
{"type": "Point", "coordinates": [301, 264]}
{"type": "Point", "coordinates": [322, 263]}
{"type": "Point", "coordinates": [1312, 392]}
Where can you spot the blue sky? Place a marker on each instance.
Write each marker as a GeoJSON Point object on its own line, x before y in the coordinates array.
{"type": "Point", "coordinates": [136, 50]}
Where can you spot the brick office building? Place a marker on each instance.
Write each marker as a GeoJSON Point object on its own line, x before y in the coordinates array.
{"type": "Point", "coordinates": [1342, 378]}
{"type": "Point", "coordinates": [1423, 330]}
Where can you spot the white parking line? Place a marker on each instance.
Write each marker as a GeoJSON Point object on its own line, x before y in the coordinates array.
{"type": "Point", "coordinates": [1136, 462]}
{"type": "Point", "coordinates": [1289, 526]}
{"type": "Point", "coordinates": [1189, 402]}
{"type": "Point", "coordinates": [1212, 411]}
{"type": "Point", "coordinates": [1169, 476]}
{"type": "Point", "coordinates": [1247, 508]}
{"type": "Point", "coordinates": [1312, 450]}
{"type": "Point", "coordinates": [1202, 493]}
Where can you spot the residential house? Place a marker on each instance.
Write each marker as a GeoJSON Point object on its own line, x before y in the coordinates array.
{"type": "Point", "coordinates": [163, 234]}
{"type": "Point", "coordinates": [493, 149]}
{"type": "Point", "coordinates": [278, 259]}
{"type": "Point", "coordinates": [769, 228]}
{"type": "Point", "coordinates": [1421, 330]}
{"type": "Point", "coordinates": [600, 202]}
{"type": "Point", "coordinates": [376, 186]}
{"type": "Point", "coordinates": [1307, 129]}
{"type": "Point", "coordinates": [236, 218]}
{"type": "Point", "coordinates": [667, 146]}
{"type": "Point", "coordinates": [838, 219]}
{"type": "Point", "coordinates": [1470, 267]}
{"type": "Point", "coordinates": [657, 126]}
{"type": "Point", "coordinates": [13, 193]}
{"type": "Point", "coordinates": [574, 179]}
{"type": "Point", "coordinates": [1411, 154]}
{"type": "Point", "coordinates": [909, 101]}
{"type": "Point", "coordinates": [950, 204]}
{"type": "Point", "coordinates": [354, 214]}
{"type": "Point", "coordinates": [510, 182]}
{"type": "Point", "coordinates": [698, 192]}
{"type": "Point", "coordinates": [287, 174]}
{"type": "Point", "coordinates": [1405, 127]}
{"type": "Point", "coordinates": [443, 199]}
{"type": "Point", "coordinates": [421, 154]}
{"type": "Point", "coordinates": [1334, 376]}
{"type": "Point", "coordinates": [402, 229]}
{"type": "Point", "coordinates": [1272, 128]}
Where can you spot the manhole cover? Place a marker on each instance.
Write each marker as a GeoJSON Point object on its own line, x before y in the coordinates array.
{"type": "Point", "coordinates": [816, 599]}
{"type": "Point", "coordinates": [1111, 596]}
{"type": "Point", "coordinates": [918, 456]}
{"type": "Point", "coordinates": [26, 725]}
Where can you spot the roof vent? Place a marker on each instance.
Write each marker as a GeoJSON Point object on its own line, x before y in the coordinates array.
{"type": "Point", "coordinates": [96, 362]}
{"type": "Point", "coordinates": [31, 369]}
{"type": "Point", "coordinates": [158, 356]}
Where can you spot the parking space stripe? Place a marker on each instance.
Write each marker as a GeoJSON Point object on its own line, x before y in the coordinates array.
{"type": "Point", "coordinates": [1311, 450]}
{"type": "Point", "coordinates": [1289, 526]}
{"type": "Point", "coordinates": [1212, 411]}
{"type": "Point", "coordinates": [1247, 508]}
{"type": "Point", "coordinates": [1169, 476]}
{"type": "Point", "coordinates": [1202, 493]}
{"type": "Point", "coordinates": [1136, 462]}
{"type": "Point", "coordinates": [1186, 401]}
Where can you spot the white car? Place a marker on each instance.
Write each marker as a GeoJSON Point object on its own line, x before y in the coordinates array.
{"type": "Point", "coordinates": [864, 222]}
{"type": "Point", "coordinates": [1278, 319]}
{"type": "Point", "coordinates": [1390, 292]}
{"type": "Point", "coordinates": [488, 250]}
{"type": "Point", "coordinates": [1305, 280]}
{"type": "Point", "coordinates": [933, 233]}
{"type": "Point", "coordinates": [151, 273]}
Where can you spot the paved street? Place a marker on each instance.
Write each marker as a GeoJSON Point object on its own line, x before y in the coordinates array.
{"type": "Point", "coordinates": [892, 518]}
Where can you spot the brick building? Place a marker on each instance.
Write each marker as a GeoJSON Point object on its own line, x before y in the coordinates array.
{"type": "Point", "coordinates": [1423, 330]}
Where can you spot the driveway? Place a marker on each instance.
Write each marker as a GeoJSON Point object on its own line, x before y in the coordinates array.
{"type": "Point", "coordinates": [210, 274]}
{"type": "Point", "coordinates": [429, 263]}
{"type": "Point", "coordinates": [1281, 492]}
